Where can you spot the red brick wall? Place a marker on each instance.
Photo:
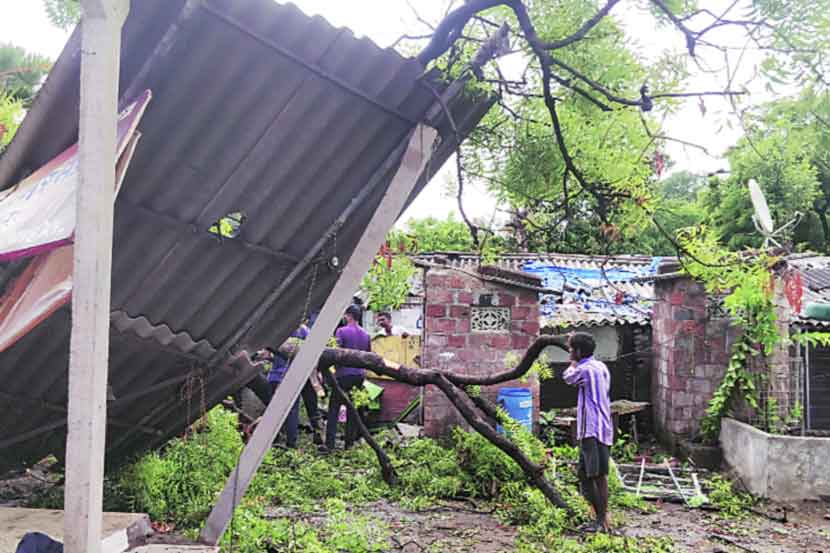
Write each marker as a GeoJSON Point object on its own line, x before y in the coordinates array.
{"type": "Point", "coordinates": [692, 348]}
{"type": "Point", "coordinates": [451, 345]}
{"type": "Point", "coordinates": [691, 352]}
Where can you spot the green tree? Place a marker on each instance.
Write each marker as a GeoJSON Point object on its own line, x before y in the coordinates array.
{"type": "Point", "coordinates": [787, 150]}
{"type": "Point", "coordinates": [63, 13]}
{"type": "Point", "coordinates": [573, 148]}
{"type": "Point", "coordinates": [21, 72]}
{"type": "Point", "coordinates": [20, 76]}
{"type": "Point", "coordinates": [11, 111]}
{"type": "Point", "coordinates": [431, 234]}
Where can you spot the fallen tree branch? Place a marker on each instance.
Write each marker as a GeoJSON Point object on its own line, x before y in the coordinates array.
{"type": "Point", "coordinates": [386, 467]}
{"type": "Point", "coordinates": [422, 377]}
{"type": "Point", "coordinates": [534, 472]}
{"type": "Point", "coordinates": [453, 387]}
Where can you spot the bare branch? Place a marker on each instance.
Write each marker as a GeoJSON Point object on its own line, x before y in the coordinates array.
{"type": "Point", "coordinates": [452, 25]}
{"type": "Point", "coordinates": [409, 37]}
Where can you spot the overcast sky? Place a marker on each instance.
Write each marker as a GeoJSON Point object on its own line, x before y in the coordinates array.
{"type": "Point", "coordinates": [24, 23]}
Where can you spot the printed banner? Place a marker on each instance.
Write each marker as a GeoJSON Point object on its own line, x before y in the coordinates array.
{"type": "Point", "coordinates": [38, 214]}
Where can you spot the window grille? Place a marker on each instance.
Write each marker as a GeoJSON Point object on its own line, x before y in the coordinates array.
{"type": "Point", "coordinates": [490, 319]}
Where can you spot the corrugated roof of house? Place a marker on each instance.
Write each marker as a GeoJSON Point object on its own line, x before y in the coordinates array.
{"type": "Point", "coordinates": [595, 290]}
{"type": "Point", "coordinates": [815, 280]}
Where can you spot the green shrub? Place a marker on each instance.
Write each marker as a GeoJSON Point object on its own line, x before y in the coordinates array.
{"type": "Point", "coordinates": [180, 484]}
{"type": "Point", "coordinates": [729, 501]}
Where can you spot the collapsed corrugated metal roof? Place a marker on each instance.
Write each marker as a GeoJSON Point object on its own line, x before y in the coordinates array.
{"type": "Point", "coordinates": [595, 290]}
{"type": "Point", "coordinates": [259, 109]}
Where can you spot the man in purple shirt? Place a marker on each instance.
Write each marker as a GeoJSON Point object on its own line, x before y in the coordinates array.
{"type": "Point", "coordinates": [276, 374]}
{"type": "Point", "coordinates": [593, 420]}
{"type": "Point", "coordinates": [350, 336]}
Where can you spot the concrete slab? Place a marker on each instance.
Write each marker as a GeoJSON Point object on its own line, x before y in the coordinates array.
{"type": "Point", "coordinates": [119, 529]}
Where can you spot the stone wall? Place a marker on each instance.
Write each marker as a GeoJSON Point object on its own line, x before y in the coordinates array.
{"type": "Point", "coordinates": [692, 339]}
{"type": "Point", "coordinates": [452, 342]}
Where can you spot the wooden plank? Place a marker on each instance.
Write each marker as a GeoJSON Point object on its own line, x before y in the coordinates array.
{"type": "Point", "coordinates": [416, 156]}
{"type": "Point", "coordinates": [89, 345]}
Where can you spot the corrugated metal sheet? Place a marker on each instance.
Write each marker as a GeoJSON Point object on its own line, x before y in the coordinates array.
{"type": "Point", "coordinates": [257, 108]}
{"type": "Point", "coordinates": [584, 302]}
{"type": "Point", "coordinates": [815, 278]}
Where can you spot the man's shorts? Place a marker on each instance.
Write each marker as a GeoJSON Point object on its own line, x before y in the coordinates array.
{"type": "Point", "coordinates": [593, 458]}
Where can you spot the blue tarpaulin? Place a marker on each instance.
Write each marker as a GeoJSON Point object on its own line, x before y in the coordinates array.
{"type": "Point", "coordinates": [593, 289]}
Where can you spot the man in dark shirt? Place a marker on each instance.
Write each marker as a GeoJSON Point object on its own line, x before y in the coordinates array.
{"type": "Point", "coordinates": [276, 374]}
{"type": "Point", "coordinates": [350, 336]}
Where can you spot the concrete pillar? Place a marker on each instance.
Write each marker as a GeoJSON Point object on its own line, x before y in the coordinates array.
{"type": "Point", "coordinates": [89, 348]}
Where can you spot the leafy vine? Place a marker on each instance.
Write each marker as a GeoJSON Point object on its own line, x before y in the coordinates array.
{"type": "Point", "coordinates": [747, 281]}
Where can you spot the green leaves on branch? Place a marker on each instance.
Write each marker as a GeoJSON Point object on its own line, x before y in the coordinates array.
{"type": "Point", "coordinates": [63, 13]}
{"type": "Point", "coordinates": [737, 382]}
{"type": "Point", "coordinates": [11, 113]}
{"type": "Point", "coordinates": [746, 282]}
{"type": "Point", "coordinates": [387, 282]}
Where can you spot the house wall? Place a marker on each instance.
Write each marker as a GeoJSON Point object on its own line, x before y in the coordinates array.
{"type": "Point", "coordinates": [692, 340]}
{"type": "Point", "coordinates": [452, 344]}
{"type": "Point", "coordinates": [691, 350]}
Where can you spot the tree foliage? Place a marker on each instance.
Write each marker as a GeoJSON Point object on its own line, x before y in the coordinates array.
{"type": "Point", "coordinates": [63, 13]}
{"type": "Point", "coordinates": [786, 151]}
{"type": "Point", "coordinates": [575, 148]}
{"type": "Point", "coordinates": [21, 72]}
{"type": "Point", "coordinates": [20, 76]}
{"type": "Point", "coordinates": [11, 111]}
{"type": "Point", "coordinates": [431, 234]}
{"type": "Point", "coordinates": [387, 282]}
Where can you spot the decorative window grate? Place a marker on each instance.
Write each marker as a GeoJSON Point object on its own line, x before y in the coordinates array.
{"type": "Point", "coordinates": [490, 319]}
{"type": "Point", "coordinates": [715, 308]}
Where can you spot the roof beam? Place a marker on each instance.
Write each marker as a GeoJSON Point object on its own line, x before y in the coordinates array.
{"type": "Point", "coordinates": [419, 147]}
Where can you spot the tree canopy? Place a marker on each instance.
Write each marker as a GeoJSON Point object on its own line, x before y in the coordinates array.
{"type": "Point", "coordinates": [63, 13]}
{"type": "Point", "coordinates": [787, 150]}
{"type": "Point", "coordinates": [20, 76]}
{"type": "Point", "coordinates": [575, 149]}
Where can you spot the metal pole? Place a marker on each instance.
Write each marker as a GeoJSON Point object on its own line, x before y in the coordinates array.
{"type": "Point", "coordinates": [89, 346]}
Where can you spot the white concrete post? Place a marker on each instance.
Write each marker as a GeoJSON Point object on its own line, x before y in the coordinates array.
{"type": "Point", "coordinates": [89, 348]}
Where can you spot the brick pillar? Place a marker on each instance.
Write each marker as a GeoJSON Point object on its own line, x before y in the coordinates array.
{"type": "Point", "coordinates": [451, 344]}
{"type": "Point", "coordinates": [691, 352]}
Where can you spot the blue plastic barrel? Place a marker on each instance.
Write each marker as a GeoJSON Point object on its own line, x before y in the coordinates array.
{"type": "Point", "coordinates": [518, 402]}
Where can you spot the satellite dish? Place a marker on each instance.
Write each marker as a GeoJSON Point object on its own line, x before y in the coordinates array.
{"type": "Point", "coordinates": [763, 219]}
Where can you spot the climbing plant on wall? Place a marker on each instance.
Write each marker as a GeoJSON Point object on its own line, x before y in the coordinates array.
{"type": "Point", "coordinates": [747, 281]}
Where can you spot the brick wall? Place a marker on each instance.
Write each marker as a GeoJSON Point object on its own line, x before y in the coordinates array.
{"type": "Point", "coordinates": [691, 351]}
{"type": "Point", "coordinates": [692, 340]}
{"type": "Point", "coordinates": [451, 344]}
